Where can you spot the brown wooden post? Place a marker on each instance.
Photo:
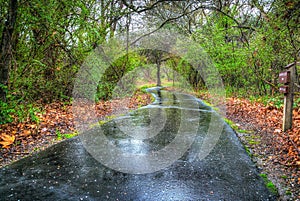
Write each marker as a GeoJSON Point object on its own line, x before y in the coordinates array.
{"type": "Point", "coordinates": [289, 97]}
{"type": "Point", "coordinates": [287, 112]}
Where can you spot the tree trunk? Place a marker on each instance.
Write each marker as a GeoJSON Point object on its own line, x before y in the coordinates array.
{"type": "Point", "coordinates": [158, 73]}
{"type": "Point", "coordinates": [7, 46]}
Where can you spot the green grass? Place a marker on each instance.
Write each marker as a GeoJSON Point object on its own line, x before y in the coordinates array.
{"type": "Point", "coordinates": [269, 184]}
{"type": "Point", "coordinates": [272, 187]}
{"type": "Point", "coordinates": [105, 120]}
{"type": "Point", "coordinates": [235, 127]}
{"type": "Point", "coordinates": [243, 131]}
{"type": "Point", "coordinates": [248, 151]}
{"type": "Point", "coordinates": [253, 139]}
{"type": "Point", "coordinates": [145, 86]}
{"type": "Point", "coordinates": [284, 177]}
{"type": "Point", "coordinates": [177, 84]}
{"type": "Point", "coordinates": [276, 101]}
{"type": "Point", "coordinates": [253, 142]}
{"type": "Point", "coordinates": [61, 136]}
{"type": "Point", "coordinates": [210, 105]}
{"type": "Point", "coordinates": [288, 192]}
{"type": "Point", "coordinates": [231, 124]}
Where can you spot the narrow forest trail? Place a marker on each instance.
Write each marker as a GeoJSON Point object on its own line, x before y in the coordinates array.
{"type": "Point", "coordinates": [186, 159]}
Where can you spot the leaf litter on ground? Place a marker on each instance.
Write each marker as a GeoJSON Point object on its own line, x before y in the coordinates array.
{"type": "Point", "coordinates": [276, 153]}
{"type": "Point", "coordinates": [20, 139]}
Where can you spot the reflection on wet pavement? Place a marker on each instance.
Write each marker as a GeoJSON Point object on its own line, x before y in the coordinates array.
{"type": "Point", "coordinates": [156, 156]}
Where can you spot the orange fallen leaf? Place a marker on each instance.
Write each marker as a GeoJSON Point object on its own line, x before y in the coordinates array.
{"type": "Point", "coordinates": [26, 133]}
{"type": "Point", "coordinates": [32, 126]}
{"type": "Point", "coordinates": [7, 140]}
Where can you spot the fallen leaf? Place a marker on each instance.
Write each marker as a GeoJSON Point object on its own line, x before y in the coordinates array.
{"type": "Point", "coordinates": [7, 140]}
{"type": "Point", "coordinates": [26, 133]}
{"type": "Point", "coordinates": [32, 126]}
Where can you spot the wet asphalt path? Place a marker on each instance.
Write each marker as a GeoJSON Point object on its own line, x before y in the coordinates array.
{"type": "Point", "coordinates": [82, 168]}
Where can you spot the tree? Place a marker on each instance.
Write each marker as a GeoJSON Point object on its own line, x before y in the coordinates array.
{"type": "Point", "coordinates": [44, 43]}
{"type": "Point", "coordinates": [51, 39]}
{"type": "Point", "coordinates": [7, 46]}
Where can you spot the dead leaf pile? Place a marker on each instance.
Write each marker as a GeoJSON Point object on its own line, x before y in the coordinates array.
{"type": "Point", "coordinates": [269, 119]}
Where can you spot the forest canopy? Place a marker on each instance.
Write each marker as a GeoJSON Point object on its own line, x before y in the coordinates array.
{"type": "Point", "coordinates": [44, 43]}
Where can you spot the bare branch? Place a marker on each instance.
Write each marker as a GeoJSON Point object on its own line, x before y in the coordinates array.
{"type": "Point", "coordinates": [192, 11]}
{"type": "Point", "coordinates": [141, 9]}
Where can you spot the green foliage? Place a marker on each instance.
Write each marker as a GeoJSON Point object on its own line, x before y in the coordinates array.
{"type": "Point", "coordinates": [231, 124]}
{"type": "Point", "coordinates": [105, 120]}
{"type": "Point", "coordinates": [249, 60]}
{"type": "Point", "coordinates": [12, 111]}
{"type": "Point", "coordinates": [6, 113]}
{"type": "Point", "coordinates": [272, 187]}
{"type": "Point", "coordinates": [277, 102]}
{"type": "Point", "coordinates": [120, 78]}
{"type": "Point", "coordinates": [54, 39]}
{"type": "Point", "coordinates": [229, 54]}
{"type": "Point", "coordinates": [297, 102]}
{"type": "Point", "coordinates": [17, 110]}
{"type": "Point", "coordinates": [271, 101]}
{"type": "Point", "coordinates": [32, 111]}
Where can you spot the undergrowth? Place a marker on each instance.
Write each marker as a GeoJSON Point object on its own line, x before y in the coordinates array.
{"type": "Point", "coordinates": [13, 111]}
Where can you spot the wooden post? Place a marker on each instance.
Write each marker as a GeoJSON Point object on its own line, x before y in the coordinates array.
{"type": "Point", "coordinates": [287, 112]}
{"type": "Point", "coordinates": [289, 99]}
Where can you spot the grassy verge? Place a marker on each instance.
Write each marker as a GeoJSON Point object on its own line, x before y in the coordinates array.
{"type": "Point", "coordinates": [269, 184]}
